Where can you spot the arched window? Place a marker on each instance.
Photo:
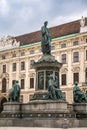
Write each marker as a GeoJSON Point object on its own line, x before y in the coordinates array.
{"type": "Point", "coordinates": [3, 85]}
{"type": "Point", "coordinates": [2, 100]}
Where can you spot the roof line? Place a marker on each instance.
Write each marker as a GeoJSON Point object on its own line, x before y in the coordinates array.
{"type": "Point", "coordinates": [62, 37]}
{"type": "Point", "coordinates": [36, 43]}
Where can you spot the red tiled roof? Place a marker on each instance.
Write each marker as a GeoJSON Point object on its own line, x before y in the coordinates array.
{"type": "Point", "coordinates": [57, 31]}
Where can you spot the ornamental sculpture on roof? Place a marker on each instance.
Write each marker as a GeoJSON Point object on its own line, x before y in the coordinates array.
{"type": "Point", "coordinates": [82, 21]}
{"type": "Point", "coordinates": [8, 42]}
{"type": "Point", "coordinates": [45, 40]}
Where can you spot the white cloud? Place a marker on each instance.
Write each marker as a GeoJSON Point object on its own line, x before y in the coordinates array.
{"type": "Point", "coordinates": [64, 19]}
{"type": "Point", "coordinates": [23, 16]}
{"type": "Point", "coordinates": [4, 7]}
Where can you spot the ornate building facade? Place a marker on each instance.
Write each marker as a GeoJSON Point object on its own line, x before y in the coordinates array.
{"type": "Point", "coordinates": [69, 46]}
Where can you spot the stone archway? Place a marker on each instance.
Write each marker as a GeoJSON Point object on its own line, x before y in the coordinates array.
{"type": "Point", "coordinates": [2, 100]}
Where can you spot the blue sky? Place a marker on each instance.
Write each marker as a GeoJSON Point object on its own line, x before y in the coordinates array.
{"type": "Point", "coordinates": [19, 17]}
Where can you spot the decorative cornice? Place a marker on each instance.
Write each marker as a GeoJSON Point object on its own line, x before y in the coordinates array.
{"type": "Point", "coordinates": [4, 75]}
{"type": "Point", "coordinates": [76, 69]}
{"type": "Point", "coordinates": [22, 75]}
{"type": "Point", "coordinates": [64, 70]}
{"type": "Point", "coordinates": [31, 74]}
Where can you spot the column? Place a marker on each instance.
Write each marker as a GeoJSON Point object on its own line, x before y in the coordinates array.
{"type": "Point", "coordinates": [17, 71]}
{"type": "Point", "coordinates": [69, 72]}
{"type": "Point", "coordinates": [26, 73]}
{"type": "Point", "coordinates": [10, 74]}
{"type": "Point", "coordinates": [82, 69]}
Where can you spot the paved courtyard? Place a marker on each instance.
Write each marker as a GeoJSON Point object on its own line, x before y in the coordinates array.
{"type": "Point", "coordinates": [38, 128]}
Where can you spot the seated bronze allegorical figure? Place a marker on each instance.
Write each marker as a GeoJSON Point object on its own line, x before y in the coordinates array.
{"type": "Point", "coordinates": [53, 92]}
{"type": "Point", "coordinates": [78, 95]}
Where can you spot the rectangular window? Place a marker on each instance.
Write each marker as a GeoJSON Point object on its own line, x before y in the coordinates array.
{"type": "Point", "coordinates": [75, 77]}
{"type": "Point", "coordinates": [52, 47]}
{"type": "Point", "coordinates": [14, 55]}
{"type": "Point", "coordinates": [86, 40]}
{"type": "Point", "coordinates": [75, 56]}
{"type": "Point", "coordinates": [22, 83]}
{"type": "Point", "coordinates": [75, 43]}
{"type": "Point", "coordinates": [13, 82]}
{"type": "Point", "coordinates": [23, 53]}
{"type": "Point", "coordinates": [31, 64]}
{"type": "Point", "coordinates": [86, 75]}
{"type": "Point", "coordinates": [14, 67]}
{"type": "Point", "coordinates": [63, 58]}
{"type": "Point", "coordinates": [3, 57]}
{"type": "Point", "coordinates": [63, 79]}
{"type": "Point", "coordinates": [63, 45]}
{"type": "Point", "coordinates": [31, 82]}
{"type": "Point", "coordinates": [31, 51]}
{"type": "Point", "coordinates": [86, 54]}
{"type": "Point", "coordinates": [23, 65]}
{"type": "Point", "coordinates": [4, 68]}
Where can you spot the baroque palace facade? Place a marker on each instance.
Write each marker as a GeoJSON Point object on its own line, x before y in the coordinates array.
{"type": "Point", "coordinates": [69, 46]}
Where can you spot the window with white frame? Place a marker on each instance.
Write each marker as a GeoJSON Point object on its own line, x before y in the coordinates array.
{"type": "Point", "coordinates": [63, 45]}
{"type": "Point", "coordinates": [31, 51]}
{"type": "Point", "coordinates": [63, 58]}
{"type": "Point", "coordinates": [75, 43]}
{"type": "Point", "coordinates": [75, 56]}
{"type": "Point", "coordinates": [63, 79]}
{"type": "Point", "coordinates": [22, 65]}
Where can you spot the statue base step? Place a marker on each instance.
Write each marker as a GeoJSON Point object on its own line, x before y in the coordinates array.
{"type": "Point", "coordinates": [42, 113]}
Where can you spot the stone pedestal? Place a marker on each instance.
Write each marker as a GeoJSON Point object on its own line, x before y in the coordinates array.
{"type": "Point", "coordinates": [80, 107]}
{"type": "Point", "coordinates": [11, 107]}
{"type": "Point", "coordinates": [43, 106]}
{"type": "Point", "coordinates": [45, 67]}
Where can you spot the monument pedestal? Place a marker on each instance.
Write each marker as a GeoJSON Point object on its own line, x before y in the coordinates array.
{"type": "Point", "coordinates": [45, 106]}
{"type": "Point", "coordinates": [11, 107]}
{"type": "Point", "coordinates": [45, 67]}
{"type": "Point", "coordinates": [80, 107]}
{"type": "Point", "coordinates": [81, 111]}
